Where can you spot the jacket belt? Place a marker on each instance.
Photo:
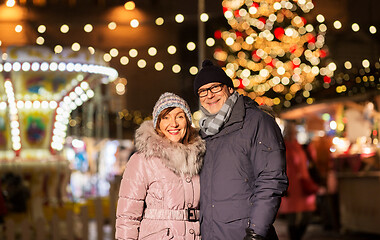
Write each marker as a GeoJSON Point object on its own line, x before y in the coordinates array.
{"type": "Point", "coordinates": [190, 214]}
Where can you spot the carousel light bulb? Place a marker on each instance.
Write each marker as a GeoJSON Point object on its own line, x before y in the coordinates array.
{"type": "Point", "coordinates": [16, 66]}
{"type": "Point", "coordinates": [16, 138]}
{"type": "Point", "coordinates": [36, 104]}
{"type": "Point", "coordinates": [62, 66]}
{"type": "Point", "coordinates": [35, 66]}
{"type": "Point", "coordinates": [70, 67]}
{"type": "Point", "coordinates": [84, 85]}
{"type": "Point", "coordinates": [44, 66]}
{"type": "Point", "coordinates": [78, 91]}
{"type": "Point", "coordinates": [15, 124]}
{"type": "Point", "coordinates": [28, 104]}
{"type": "Point", "coordinates": [73, 96]}
{"type": "Point", "coordinates": [90, 93]}
{"type": "Point", "coordinates": [3, 105]}
{"type": "Point", "coordinates": [15, 132]}
{"type": "Point", "coordinates": [67, 100]}
{"type": "Point", "coordinates": [53, 104]}
{"type": "Point", "coordinates": [73, 106]}
{"type": "Point", "coordinates": [84, 97]}
{"type": "Point", "coordinates": [16, 146]}
{"type": "Point", "coordinates": [78, 101]}
{"type": "Point", "coordinates": [44, 104]}
{"type": "Point", "coordinates": [77, 67]}
{"type": "Point", "coordinates": [53, 66]}
{"type": "Point", "coordinates": [7, 67]}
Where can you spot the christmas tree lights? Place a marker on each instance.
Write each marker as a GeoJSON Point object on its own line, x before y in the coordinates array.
{"type": "Point", "coordinates": [271, 52]}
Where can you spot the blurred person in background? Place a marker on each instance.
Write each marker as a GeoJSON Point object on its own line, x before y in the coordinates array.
{"type": "Point", "coordinates": [327, 203]}
{"type": "Point", "coordinates": [299, 204]}
{"type": "Point", "coordinates": [159, 192]}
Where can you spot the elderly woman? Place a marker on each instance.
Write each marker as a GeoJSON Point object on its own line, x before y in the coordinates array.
{"type": "Point", "coordinates": [159, 192]}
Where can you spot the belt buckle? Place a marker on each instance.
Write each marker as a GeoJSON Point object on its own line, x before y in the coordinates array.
{"type": "Point", "coordinates": [191, 215]}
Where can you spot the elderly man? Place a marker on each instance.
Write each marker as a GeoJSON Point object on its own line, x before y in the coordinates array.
{"type": "Point", "coordinates": [244, 173]}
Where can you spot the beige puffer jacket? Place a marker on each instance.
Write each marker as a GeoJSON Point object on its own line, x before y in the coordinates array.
{"type": "Point", "coordinates": [159, 184]}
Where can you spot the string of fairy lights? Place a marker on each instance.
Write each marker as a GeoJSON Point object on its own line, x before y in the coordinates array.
{"type": "Point", "coordinates": [249, 13]}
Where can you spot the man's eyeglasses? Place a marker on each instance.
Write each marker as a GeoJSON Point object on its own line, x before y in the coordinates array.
{"type": "Point", "coordinates": [213, 89]}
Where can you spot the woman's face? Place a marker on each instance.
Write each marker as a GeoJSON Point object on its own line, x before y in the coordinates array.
{"type": "Point", "coordinates": [173, 125]}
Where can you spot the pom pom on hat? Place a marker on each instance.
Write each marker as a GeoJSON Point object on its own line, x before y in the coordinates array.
{"type": "Point", "coordinates": [207, 63]}
{"type": "Point", "coordinates": [211, 73]}
{"type": "Point", "coordinates": [167, 100]}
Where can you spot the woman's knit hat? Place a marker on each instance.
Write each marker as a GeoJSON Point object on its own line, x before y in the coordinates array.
{"type": "Point", "coordinates": [167, 100]}
{"type": "Point", "coordinates": [211, 73]}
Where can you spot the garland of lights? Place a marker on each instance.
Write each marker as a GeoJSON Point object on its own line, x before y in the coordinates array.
{"type": "Point", "coordinates": [271, 52]}
{"type": "Point", "coordinates": [303, 5]}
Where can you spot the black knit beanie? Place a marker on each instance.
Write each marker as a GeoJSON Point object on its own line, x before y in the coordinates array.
{"type": "Point", "coordinates": [211, 73]}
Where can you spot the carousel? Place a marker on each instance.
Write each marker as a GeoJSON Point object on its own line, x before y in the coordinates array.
{"type": "Point", "coordinates": [39, 89]}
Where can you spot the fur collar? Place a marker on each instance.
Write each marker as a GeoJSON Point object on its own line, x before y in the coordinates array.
{"type": "Point", "coordinates": [180, 158]}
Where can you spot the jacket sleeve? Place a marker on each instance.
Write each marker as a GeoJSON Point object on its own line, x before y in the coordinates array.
{"type": "Point", "coordinates": [130, 205]}
{"type": "Point", "coordinates": [270, 180]}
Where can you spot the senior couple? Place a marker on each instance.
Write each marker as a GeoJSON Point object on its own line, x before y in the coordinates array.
{"type": "Point", "coordinates": [223, 183]}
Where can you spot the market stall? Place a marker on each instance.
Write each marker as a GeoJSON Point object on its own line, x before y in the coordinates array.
{"type": "Point", "coordinates": [350, 157]}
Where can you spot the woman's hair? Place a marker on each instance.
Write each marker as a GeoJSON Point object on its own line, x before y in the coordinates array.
{"type": "Point", "coordinates": [190, 134]}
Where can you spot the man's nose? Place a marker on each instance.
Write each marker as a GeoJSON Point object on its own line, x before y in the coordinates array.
{"type": "Point", "coordinates": [210, 94]}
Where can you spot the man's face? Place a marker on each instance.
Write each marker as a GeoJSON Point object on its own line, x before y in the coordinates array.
{"type": "Point", "coordinates": [214, 101]}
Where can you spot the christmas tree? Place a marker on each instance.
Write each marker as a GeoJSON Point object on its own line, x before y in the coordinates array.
{"type": "Point", "coordinates": [271, 52]}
